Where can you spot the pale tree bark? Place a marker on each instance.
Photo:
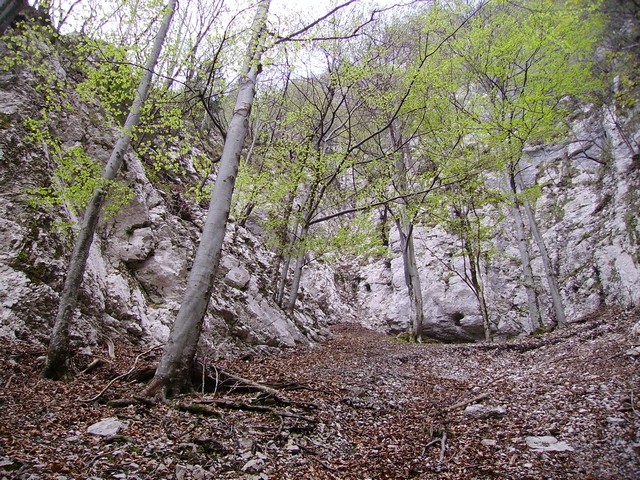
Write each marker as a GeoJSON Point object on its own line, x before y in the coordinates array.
{"type": "Point", "coordinates": [56, 365]}
{"type": "Point", "coordinates": [173, 372]}
{"type": "Point", "coordinates": [406, 230]}
{"type": "Point", "coordinates": [297, 271]}
{"type": "Point", "coordinates": [283, 258]}
{"type": "Point", "coordinates": [478, 287]}
{"type": "Point", "coordinates": [535, 320]}
{"type": "Point", "coordinates": [471, 248]}
{"type": "Point", "coordinates": [281, 278]}
{"type": "Point", "coordinates": [550, 275]}
{"type": "Point", "coordinates": [412, 278]}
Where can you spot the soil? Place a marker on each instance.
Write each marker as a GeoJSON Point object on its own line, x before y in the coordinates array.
{"type": "Point", "coordinates": [359, 406]}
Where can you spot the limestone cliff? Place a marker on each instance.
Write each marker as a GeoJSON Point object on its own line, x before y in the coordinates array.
{"type": "Point", "coordinates": [588, 213]}
{"type": "Point", "coordinates": [139, 261]}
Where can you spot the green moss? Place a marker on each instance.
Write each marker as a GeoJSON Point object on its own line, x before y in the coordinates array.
{"type": "Point", "coordinates": [5, 121]}
{"type": "Point", "coordinates": [36, 272]}
{"type": "Point", "coordinates": [23, 256]}
{"type": "Point", "coordinates": [538, 332]}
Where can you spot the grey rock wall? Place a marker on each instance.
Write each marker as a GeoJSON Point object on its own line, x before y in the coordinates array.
{"type": "Point", "coordinates": [589, 216]}
{"type": "Point", "coordinates": [139, 262]}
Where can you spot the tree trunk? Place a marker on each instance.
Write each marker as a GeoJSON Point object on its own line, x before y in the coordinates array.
{"type": "Point", "coordinates": [297, 272]}
{"type": "Point", "coordinates": [282, 281]}
{"type": "Point", "coordinates": [485, 313]}
{"type": "Point", "coordinates": [9, 10]}
{"type": "Point", "coordinates": [535, 320]}
{"type": "Point", "coordinates": [56, 366]}
{"type": "Point", "coordinates": [412, 279]}
{"type": "Point", "coordinates": [283, 258]}
{"type": "Point", "coordinates": [405, 230]}
{"type": "Point", "coordinates": [552, 280]}
{"type": "Point", "coordinates": [478, 288]}
{"type": "Point", "coordinates": [172, 375]}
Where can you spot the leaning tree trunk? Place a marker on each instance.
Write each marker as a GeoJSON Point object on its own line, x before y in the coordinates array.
{"type": "Point", "coordinates": [535, 320]}
{"type": "Point", "coordinates": [56, 365]}
{"type": "Point", "coordinates": [173, 372]}
{"type": "Point", "coordinates": [552, 280]}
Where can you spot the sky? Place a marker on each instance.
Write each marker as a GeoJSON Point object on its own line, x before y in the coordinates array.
{"type": "Point", "coordinates": [305, 9]}
{"type": "Point", "coordinates": [286, 16]}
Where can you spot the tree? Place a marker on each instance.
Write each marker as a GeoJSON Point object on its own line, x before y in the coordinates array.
{"type": "Point", "coordinates": [310, 143]}
{"type": "Point", "coordinates": [414, 79]}
{"type": "Point", "coordinates": [527, 60]}
{"type": "Point", "coordinates": [463, 209]}
{"type": "Point", "coordinates": [173, 372]}
{"type": "Point", "coordinates": [56, 366]}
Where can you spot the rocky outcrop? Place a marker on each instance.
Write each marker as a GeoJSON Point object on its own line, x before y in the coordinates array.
{"type": "Point", "coordinates": [588, 213]}
{"type": "Point", "coordinates": [451, 309]}
{"type": "Point", "coordinates": [140, 260]}
{"type": "Point", "coordinates": [138, 265]}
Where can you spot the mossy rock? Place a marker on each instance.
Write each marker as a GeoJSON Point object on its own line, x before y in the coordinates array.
{"type": "Point", "coordinates": [5, 120]}
{"type": "Point", "coordinates": [538, 332]}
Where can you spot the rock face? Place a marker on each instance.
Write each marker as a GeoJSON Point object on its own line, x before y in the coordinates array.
{"type": "Point", "coordinates": [451, 309]}
{"type": "Point", "coordinates": [137, 269]}
{"type": "Point", "coordinates": [139, 262]}
{"type": "Point", "coordinates": [588, 215]}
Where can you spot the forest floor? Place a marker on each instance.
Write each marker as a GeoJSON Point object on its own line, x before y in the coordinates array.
{"type": "Point", "coordinates": [360, 406]}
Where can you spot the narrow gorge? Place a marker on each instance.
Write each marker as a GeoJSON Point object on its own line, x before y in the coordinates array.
{"type": "Point", "coordinates": [431, 267]}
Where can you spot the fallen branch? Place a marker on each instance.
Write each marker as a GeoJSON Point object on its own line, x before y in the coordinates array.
{"type": "Point", "coordinates": [432, 442]}
{"type": "Point", "coordinates": [133, 367]}
{"type": "Point", "coordinates": [464, 403]}
{"type": "Point", "coordinates": [122, 402]}
{"type": "Point", "coordinates": [230, 405]}
{"type": "Point", "coordinates": [98, 362]}
{"type": "Point", "coordinates": [199, 409]}
{"type": "Point", "coordinates": [443, 446]}
{"type": "Point", "coordinates": [234, 382]}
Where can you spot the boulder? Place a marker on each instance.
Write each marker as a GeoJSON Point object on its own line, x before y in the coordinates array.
{"type": "Point", "coordinates": [483, 412]}
{"type": "Point", "coordinates": [107, 427]}
{"type": "Point", "coordinates": [547, 444]}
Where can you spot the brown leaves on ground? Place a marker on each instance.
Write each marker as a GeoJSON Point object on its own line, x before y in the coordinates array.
{"type": "Point", "coordinates": [361, 405]}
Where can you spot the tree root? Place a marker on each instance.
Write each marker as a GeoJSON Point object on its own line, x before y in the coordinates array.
{"type": "Point", "coordinates": [102, 392]}
{"type": "Point", "coordinates": [210, 407]}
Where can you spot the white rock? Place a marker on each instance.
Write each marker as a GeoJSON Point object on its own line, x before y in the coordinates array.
{"type": "Point", "coordinates": [615, 421]}
{"type": "Point", "coordinates": [481, 411]}
{"type": "Point", "coordinates": [292, 447]}
{"type": "Point", "coordinates": [633, 352]}
{"type": "Point", "coordinates": [107, 427]}
{"type": "Point", "coordinates": [253, 466]}
{"type": "Point", "coordinates": [238, 277]}
{"type": "Point", "coordinates": [547, 444]}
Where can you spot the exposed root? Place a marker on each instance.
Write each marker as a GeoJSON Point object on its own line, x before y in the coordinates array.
{"type": "Point", "coordinates": [133, 367]}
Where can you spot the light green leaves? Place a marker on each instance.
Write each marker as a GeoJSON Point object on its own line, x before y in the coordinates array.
{"type": "Point", "coordinates": [75, 179]}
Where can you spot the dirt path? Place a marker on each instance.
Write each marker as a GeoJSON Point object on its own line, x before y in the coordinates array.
{"type": "Point", "coordinates": [360, 406]}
